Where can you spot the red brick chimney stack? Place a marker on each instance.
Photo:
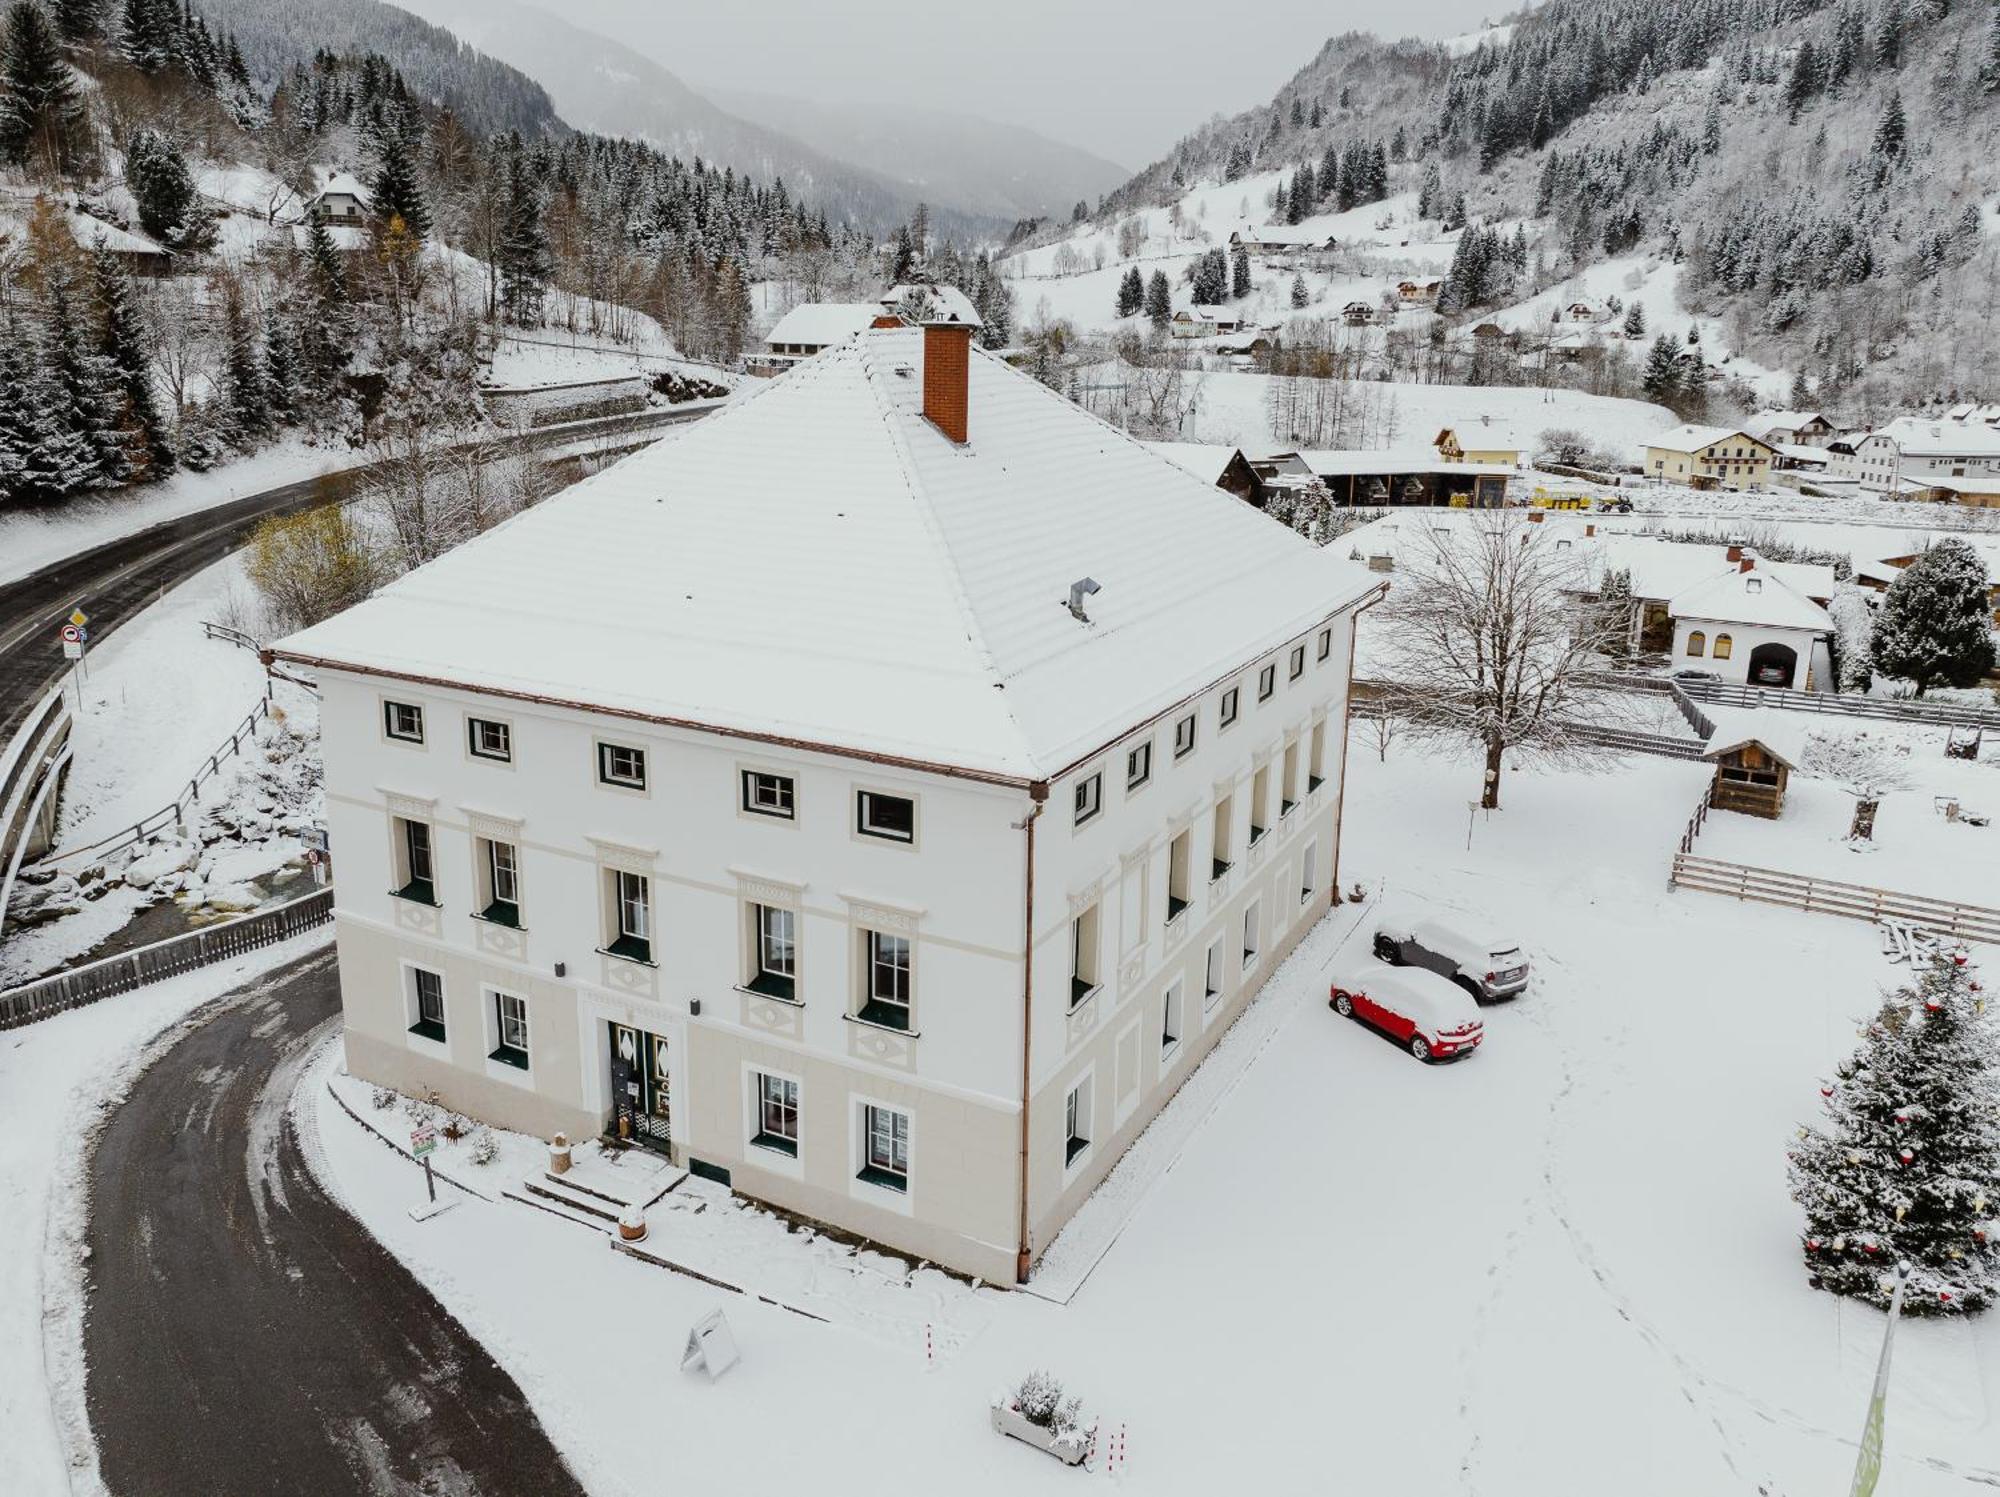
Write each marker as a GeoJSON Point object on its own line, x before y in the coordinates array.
{"type": "Point", "coordinates": [1749, 562]}
{"type": "Point", "coordinates": [947, 373]}
{"type": "Point", "coordinates": [1735, 553]}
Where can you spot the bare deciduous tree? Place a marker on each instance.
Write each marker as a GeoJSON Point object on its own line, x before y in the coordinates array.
{"type": "Point", "coordinates": [1867, 768]}
{"type": "Point", "coordinates": [1483, 641]}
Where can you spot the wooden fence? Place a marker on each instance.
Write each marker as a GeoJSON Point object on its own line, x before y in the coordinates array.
{"type": "Point", "coordinates": [169, 958]}
{"type": "Point", "coordinates": [1892, 709]}
{"type": "Point", "coordinates": [1823, 896]}
{"type": "Point", "coordinates": [1632, 741]}
{"type": "Point", "coordinates": [1695, 823]}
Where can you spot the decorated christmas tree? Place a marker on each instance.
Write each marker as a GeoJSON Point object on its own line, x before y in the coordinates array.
{"type": "Point", "coordinates": [1906, 1166]}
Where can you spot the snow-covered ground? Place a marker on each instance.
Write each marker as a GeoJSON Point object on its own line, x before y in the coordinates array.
{"type": "Point", "coordinates": [1568, 1265]}
{"type": "Point", "coordinates": [55, 1078]}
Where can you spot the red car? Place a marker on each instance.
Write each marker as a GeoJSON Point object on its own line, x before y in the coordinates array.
{"type": "Point", "coordinates": [1429, 1016]}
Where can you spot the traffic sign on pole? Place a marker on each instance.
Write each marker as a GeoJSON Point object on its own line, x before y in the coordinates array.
{"type": "Point", "coordinates": [79, 618]}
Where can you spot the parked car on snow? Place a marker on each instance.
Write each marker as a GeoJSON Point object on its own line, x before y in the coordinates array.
{"type": "Point", "coordinates": [1419, 1010]}
{"type": "Point", "coordinates": [1487, 966]}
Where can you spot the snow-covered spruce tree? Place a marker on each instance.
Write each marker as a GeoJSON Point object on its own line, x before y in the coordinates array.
{"type": "Point", "coordinates": [1935, 624]}
{"type": "Point", "coordinates": [244, 396]}
{"type": "Point", "coordinates": [1635, 320]}
{"type": "Point", "coordinates": [396, 192]}
{"type": "Point", "coordinates": [79, 20]}
{"type": "Point", "coordinates": [17, 437]}
{"type": "Point", "coordinates": [1239, 272]}
{"type": "Point", "coordinates": [163, 187]}
{"type": "Point", "coordinates": [42, 122]}
{"type": "Point", "coordinates": [1159, 300]}
{"type": "Point", "coordinates": [1300, 295]}
{"type": "Point", "coordinates": [1906, 1165]}
{"type": "Point", "coordinates": [148, 34]}
{"type": "Point", "coordinates": [83, 394]}
{"type": "Point", "coordinates": [123, 345]}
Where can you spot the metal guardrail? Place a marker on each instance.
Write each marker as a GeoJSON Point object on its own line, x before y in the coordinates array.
{"type": "Point", "coordinates": [31, 768]}
{"type": "Point", "coordinates": [133, 969]}
{"type": "Point", "coordinates": [1970, 922]}
{"type": "Point", "coordinates": [1941, 714]}
{"type": "Point", "coordinates": [170, 813]}
{"type": "Point", "coordinates": [232, 636]}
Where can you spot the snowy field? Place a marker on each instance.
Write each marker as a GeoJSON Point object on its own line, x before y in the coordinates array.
{"type": "Point", "coordinates": [1568, 1265]}
{"type": "Point", "coordinates": [55, 1078]}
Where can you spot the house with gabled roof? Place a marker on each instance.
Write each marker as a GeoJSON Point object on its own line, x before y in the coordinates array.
{"type": "Point", "coordinates": [1750, 626]}
{"type": "Point", "coordinates": [810, 328]}
{"type": "Point", "coordinates": [888, 847]}
{"type": "Point", "coordinates": [1707, 457]}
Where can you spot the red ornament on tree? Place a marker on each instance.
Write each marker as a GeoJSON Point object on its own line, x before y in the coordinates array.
{"type": "Point", "coordinates": [1958, 959]}
{"type": "Point", "coordinates": [1907, 1155]}
{"type": "Point", "coordinates": [1826, 1091]}
{"type": "Point", "coordinates": [1932, 1005]}
{"type": "Point", "coordinates": [1944, 1296]}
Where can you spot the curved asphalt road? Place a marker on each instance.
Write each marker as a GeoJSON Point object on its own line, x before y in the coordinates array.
{"type": "Point", "coordinates": [244, 1335]}
{"type": "Point", "coordinates": [114, 581]}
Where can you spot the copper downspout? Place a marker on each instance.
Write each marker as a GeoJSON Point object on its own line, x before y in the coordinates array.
{"type": "Point", "coordinates": [1039, 793]}
{"type": "Point", "coordinates": [1346, 731]}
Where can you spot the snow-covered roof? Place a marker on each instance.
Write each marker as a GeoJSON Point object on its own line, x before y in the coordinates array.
{"type": "Point", "coordinates": [1766, 421]}
{"type": "Point", "coordinates": [1393, 460]}
{"type": "Point", "coordinates": [817, 562]}
{"type": "Point", "coordinates": [1917, 437]}
{"type": "Point", "coordinates": [1754, 597]}
{"type": "Point", "coordinates": [343, 184]}
{"type": "Point", "coordinates": [1691, 438]}
{"type": "Point", "coordinates": [939, 304]}
{"type": "Point", "coordinates": [1662, 569]}
{"type": "Point", "coordinates": [820, 324]}
{"type": "Point", "coordinates": [1782, 733]}
{"type": "Point", "coordinates": [1483, 433]}
{"type": "Point", "coordinates": [1799, 452]}
{"type": "Point", "coordinates": [1205, 460]}
{"type": "Point", "coordinates": [1291, 234]}
{"type": "Point", "coordinates": [90, 232]}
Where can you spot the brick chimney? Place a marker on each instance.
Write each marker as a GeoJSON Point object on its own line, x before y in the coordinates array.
{"type": "Point", "coordinates": [1747, 564]}
{"type": "Point", "coordinates": [947, 372]}
{"type": "Point", "coordinates": [1735, 553]}
{"type": "Point", "coordinates": [1534, 517]}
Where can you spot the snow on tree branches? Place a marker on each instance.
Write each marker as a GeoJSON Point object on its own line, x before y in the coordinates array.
{"type": "Point", "coordinates": [1936, 624]}
{"type": "Point", "coordinates": [1906, 1165]}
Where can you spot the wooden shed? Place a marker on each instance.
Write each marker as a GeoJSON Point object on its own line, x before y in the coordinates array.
{"type": "Point", "coordinates": [1752, 762]}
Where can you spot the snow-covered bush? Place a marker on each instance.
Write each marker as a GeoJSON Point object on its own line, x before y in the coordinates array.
{"type": "Point", "coordinates": [1040, 1400]}
{"type": "Point", "coordinates": [1866, 768]}
{"type": "Point", "coordinates": [484, 1148]}
{"type": "Point", "coordinates": [383, 1098]}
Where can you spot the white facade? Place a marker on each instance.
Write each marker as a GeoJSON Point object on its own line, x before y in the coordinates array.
{"type": "Point", "coordinates": [1729, 648]}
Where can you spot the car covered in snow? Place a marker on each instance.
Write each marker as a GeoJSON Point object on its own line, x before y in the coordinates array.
{"type": "Point", "coordinates": [1419, 1010]}
{"type": "Point", "coordinates": [1485, 964]}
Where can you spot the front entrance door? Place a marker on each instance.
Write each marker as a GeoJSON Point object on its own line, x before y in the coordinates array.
{"type": "Point", "coordinates": [640, 1090]}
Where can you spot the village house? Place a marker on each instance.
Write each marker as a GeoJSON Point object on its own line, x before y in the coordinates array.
{"type": "Point", "coordinates": [1791, 428]}
{"type": "Point", "coordinates": [1358, 313]}
{"type": "Point", "coordinates": [137, 254]}
{"type": "Point", "coordinates": [1751, 627]}
{"type": "Point", "coordinates": [1279, 239]}
{"type": "Point", "coordinates": [1204, 322]}
{"type": "Point", "coordinates": [341, 202]}
{"type": "Point", "coordinates": [1480, 440]}
{"type": "Point", "coordinates": [1225, 467]}
{"type": "Point", "coordinates": [1404, 475]}
{"type": "Point", "coordinates": [888, 847]}
{"type": "Point", "coordinates": [1419, 293]}
{"type": "Point", "coordinates": [1659, 570]}
{"type": "Point", "coordinates": [1911, 453]}
{"type": "Point", "coordinates": [1707, 457]}
{"type": "Point", "coordinates": [809, 328]}
{"type": "Point", "coordinates": [1584, 310]}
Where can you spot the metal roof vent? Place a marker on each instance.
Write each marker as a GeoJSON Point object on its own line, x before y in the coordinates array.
{"type": "Point", "coordinates": [1078, 591]}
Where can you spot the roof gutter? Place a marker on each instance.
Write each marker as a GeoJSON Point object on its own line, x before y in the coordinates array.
{"type": "Point", "coordinates": [776, 740]}
{"type": "Point", "coordinates": [1039, 794]}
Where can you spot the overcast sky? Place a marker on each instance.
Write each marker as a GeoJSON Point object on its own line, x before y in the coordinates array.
{"type": "Point", "coordinates": [1120, 78]}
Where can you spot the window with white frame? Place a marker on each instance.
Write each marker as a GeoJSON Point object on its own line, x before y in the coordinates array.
{"type": "Point", "coordinates": [1288, 780]}
{"type": "Point", "coordinates": [885, 1147]}
{"type": "Point", "coordinates": [1184, 736]}
{"type": "Point", "coordinates": [499, 881]}
{"type": "Point", "coordinates": [1298, 665]}
{"type": "Point", "coordinates": [427, 1002]}
{"type": "Point", "coordinates": [1083, 956]}
{"type": "Point", "coordinates": [510, 1015]}
{"type": "Point", "coordinates": [403, 721]}
{"type": "Point", "coordinates": [1325, 643]}
{"type": "Point", "coordinates": [1231, 705]}
{"type": "Point", "coordinates": [1267, 682]}
{"type": "Point", "coordinates": [486, 739]}
{"type": "Point", "coordinates": [416, 878]}
{"type": "Point", "coordinates": [886, 978]}
{"type": "Point", "coordinates": [631, 922]}
{"type": "Point", "coordinates": [1138, 765]}
{"type": "Point", "coordinates": [1212, 976]}
{"type": "Point", "coordinates": [1076, 1122]}
{"type": "Point", "coordinates": [1260, 803]}
{"type": "Point", "coordinates": [1220, 838]}
{"type": "Point", "coordinates": [621, 765]}
{"type": "Point", "coordinates": [1170, 1018]}
{"type": "Point", "coordinates": [766, 794]}
{"type": "Point", "coordinates": [1309, 871]}
{"type": "Point", "coordinates": [1089, 798]}
{"type": "Point", "coordinates": [893, 818]}
{"type": "Point", "coordinates": [1180, 854]}
{"type": "Point", "coordinates": [777, 1114]}
{"type": "Point", "coordinates": [1250, 936]}
{"type": "Point", "coordinates": [1316, 767]}
{"type": "Point", "coordinates": [775, 957]}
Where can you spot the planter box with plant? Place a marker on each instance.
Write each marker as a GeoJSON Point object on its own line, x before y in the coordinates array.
{"type": "Point", "coordinates": [1037, 1414]}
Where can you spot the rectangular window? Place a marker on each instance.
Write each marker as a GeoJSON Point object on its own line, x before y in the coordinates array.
{"type": "Point", "coordinates": [489, 740]}
{"type": "Point", "coordinates": [1225, 810]}
{"type": "Point", "coordinates": [1288, 784]}
{"type": "Point", "coordinates": [403, 720]}
{"type": "Point", "coordinates": [888, 981]}
{"type": "Point", "coordinates": [1267, 682]}
{"type": "Point", "coordinates": [1309, 871]}
{"type": "Point", "coordinates": [777, 956]}
{"type": "Point", "coordinates": [890, 817]}
{"type": "Point", "coordinates": [1083, 956]}
{"type": "Point", "coordinates": [1316, 766]}
{"type": "Point", "coordinates": [1298, 667]}
{"type": "Point", "coordinates": [511, 1018]}
{"type": "Point", "coordinates": [1231, 702]}
{"type": "Point", "coordinates": [1250, 937]}
{"type": "Point", "coordinates": [768, 794]}
{"type": "Point", "coordinates": [1184, 737]}
{"type": "Point", "coordinates": [1138, 766]}
{"type": "Point", "coordinates": [1260, 804]}
{"type": "Point", "coordinates": [618, 764]}
{"type": "Point", "coordinates": [777, 1115]}
{"type": "Point", "coordinates": [1180, 853]}
{"type": "Point", "coordinates": [885, 1159]}
{"type": "Point", "coordinates": [631, 916]}
{"type": "Point", "coordinates": [1211, 988]}
{"type": "Point", "coordinates": [1076, 1122]}
{"type": "Point", "coordinates": [414, 876]}
{"type": "Point", "coordinates": [499, 872]}
{"type": "Point", "coordinates": [1170, 1019]}
{"type": "Point", "coordinates": [428, 990]}
{"type": "Point", "coordinates": [1089, 798]}
{"type": "Point", "coordinates": [1325, 643]}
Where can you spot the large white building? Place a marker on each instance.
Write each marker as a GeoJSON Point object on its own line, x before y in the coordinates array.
{"type": "Point", "coordinates": [879, 796]}
{"type": "Point", "coordinates": [1915, 453]}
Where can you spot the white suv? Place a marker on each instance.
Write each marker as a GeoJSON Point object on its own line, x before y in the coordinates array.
{"type": "Point", "coordinates": [1486, 966]}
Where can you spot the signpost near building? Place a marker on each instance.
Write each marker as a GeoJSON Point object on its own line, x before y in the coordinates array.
{"type": "Point", "coordinates": [423, 1142]}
